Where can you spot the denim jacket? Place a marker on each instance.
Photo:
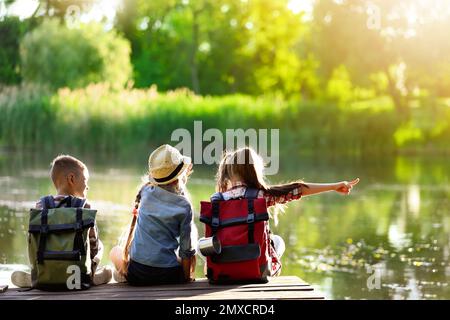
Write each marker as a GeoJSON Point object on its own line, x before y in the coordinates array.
{"type": "Point", "coordinates": [164, 224]}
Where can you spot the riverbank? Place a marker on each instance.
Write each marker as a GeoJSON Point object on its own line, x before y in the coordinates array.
{"type": "Point", "coordinates": [98, 119]}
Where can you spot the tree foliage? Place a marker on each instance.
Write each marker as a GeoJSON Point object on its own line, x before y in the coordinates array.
{"type": "Point", "coordinates": [58, 56]}
{"type": "Point", "coordinates": [215, 47]}
{"type": "Point", "coordinates": [11, 31]}
{"type": "Point", "coordinates": [345, 51]}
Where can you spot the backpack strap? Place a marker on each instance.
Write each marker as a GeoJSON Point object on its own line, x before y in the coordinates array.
{"type": "Point", "coordinates": [78, 242]}
{"type": "Point", "coordinates": [72, 202]}
{"type": "Point", "coordinates": [216, 198]}
{"type": "Point", "coordinates": [77, 202]}
{"type": "Point", "coordinates": [65, 202]}
{"type": "Point", "coordinates": [47, 203]}
{"type": "Point", "coordinates": [251, 194]}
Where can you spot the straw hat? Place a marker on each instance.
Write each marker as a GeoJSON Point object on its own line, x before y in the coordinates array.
{"type": "Point", "coordinates": [166, 163]}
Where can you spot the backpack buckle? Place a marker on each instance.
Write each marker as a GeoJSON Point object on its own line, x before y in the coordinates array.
{"type": "Point", "coordinates": [251, 218]}
{"type": "Point", "coordinates": [78, 226]}
{"type": "Point", "coordinates": [215, 222]}
{"type": "Point", "coordinates": [44, 228]}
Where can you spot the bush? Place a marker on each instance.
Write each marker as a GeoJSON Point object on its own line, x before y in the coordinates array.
{"type": "Point", "coordinates": [128, 121]}
{"type": "Point", "coordinates": [58, 56]}
{"type": "Point", "coordinates": [26, 116]}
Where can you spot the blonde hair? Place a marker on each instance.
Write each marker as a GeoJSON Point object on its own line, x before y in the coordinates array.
{"type": "Point", "coordinates": [64, 165]}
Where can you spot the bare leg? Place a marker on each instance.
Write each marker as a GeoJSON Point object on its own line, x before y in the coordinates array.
{"type": "Point", "coordinates": [116, 256]}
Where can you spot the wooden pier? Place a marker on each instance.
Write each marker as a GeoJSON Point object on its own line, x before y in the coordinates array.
{"type": "Point", "coordinates": [286, 287]}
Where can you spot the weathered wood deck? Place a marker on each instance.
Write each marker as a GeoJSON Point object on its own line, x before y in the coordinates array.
{"type": "Point", "coordinates": [289, 287]}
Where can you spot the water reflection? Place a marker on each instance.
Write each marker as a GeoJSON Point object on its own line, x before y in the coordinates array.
{"type": "Point", "coordinates": [413, 196]}
{"type": "Point", "coordinates": [397, 220]}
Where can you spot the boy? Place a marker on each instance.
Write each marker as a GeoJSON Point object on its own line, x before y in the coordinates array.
{"type": "Point", "coordinates": [70, 177]}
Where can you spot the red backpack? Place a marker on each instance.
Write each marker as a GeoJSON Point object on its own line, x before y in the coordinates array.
{"type": "Point", "coordinates": [242, 228]}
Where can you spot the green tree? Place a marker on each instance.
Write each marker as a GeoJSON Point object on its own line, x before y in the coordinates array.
{"type": "Point", "coordinates": [215, 47]}
{"type": "Point", "coordinates": [342, 37]}
{"type": "Point", "coordinates": [404, 43]}
{"type": "Point", "coordinates": [59, 56]}
{"type": "Point", "coordinates": [11, 31]}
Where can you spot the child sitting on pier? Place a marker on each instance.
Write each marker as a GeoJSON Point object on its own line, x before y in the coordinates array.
{"type": "Point", "coordinates": [243, 169]}
{"type": "Point", "coordinates": [162, 213]}
{"type": "Point", "coordinates": [70, 177]}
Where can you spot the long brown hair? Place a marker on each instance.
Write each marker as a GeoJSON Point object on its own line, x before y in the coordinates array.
{"type": "Point", "coordinates": [246, 166]}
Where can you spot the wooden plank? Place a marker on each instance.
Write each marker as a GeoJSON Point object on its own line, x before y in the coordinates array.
{"type": "Point", "coordinates": [203, 283]}
{"type": "Point", "coordinates": [257, 296]}
{"type": "Point", "coordinates": [185, 296]}
{"type": "Point", "coordinates": [212, 296]}
{"type": "Point", "coordinates": [237, 291]}
{"type": "Point", "coordinates": [197, 285]}
{"type": "Point", "coordinates": [278, 288]}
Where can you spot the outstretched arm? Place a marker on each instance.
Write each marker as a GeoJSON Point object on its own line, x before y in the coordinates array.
{"type": "Point", "coordinates": [343, 187]}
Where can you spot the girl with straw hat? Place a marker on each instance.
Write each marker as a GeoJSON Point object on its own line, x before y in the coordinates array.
{"type": "Point", "coordinates": [162, 224]}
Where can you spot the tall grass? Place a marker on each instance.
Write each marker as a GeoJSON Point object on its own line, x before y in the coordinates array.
{"type": "Point", "coordinates": [98, 119]}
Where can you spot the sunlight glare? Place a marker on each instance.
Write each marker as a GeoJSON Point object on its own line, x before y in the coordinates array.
{"type": "Point", "coordinates": [21, 8]}
{"type": "Point", "coordinates": [101, 9]}
{"type": "Point", "coordinates": [302, 6]}
{"type": "Point", "coordinates": [414, 199]}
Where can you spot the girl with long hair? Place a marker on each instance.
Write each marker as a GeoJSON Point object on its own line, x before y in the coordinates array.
{"type": "Point", "coordinates": [160, 244]}
{"type": "Point", "coordinates": [243, 168]}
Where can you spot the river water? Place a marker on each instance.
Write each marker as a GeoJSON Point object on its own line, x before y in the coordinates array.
{"type": "Point", "coordinates": [390, 239]}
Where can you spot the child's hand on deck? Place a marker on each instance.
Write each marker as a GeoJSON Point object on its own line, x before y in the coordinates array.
{"type": "Point", "coordinates": [189, 268]}
{"type": "Point", "coordinates": [345, 187]}
{"type": "Point", "coordinates": [192, 271]}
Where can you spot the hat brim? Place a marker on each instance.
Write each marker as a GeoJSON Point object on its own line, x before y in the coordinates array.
{"type": "Point", "coordinates": [187, 161]}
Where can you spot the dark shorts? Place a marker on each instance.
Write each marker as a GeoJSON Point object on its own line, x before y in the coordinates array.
{"type": "Point", "coordinates": [143, 275]}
